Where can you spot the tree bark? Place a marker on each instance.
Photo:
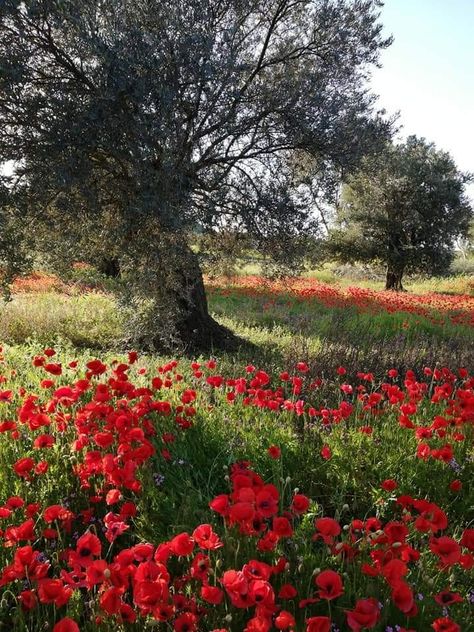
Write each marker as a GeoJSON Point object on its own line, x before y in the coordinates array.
{"type": "Point", "coordinates": [110, 267]}
{"type": "Point", "coordinates": [196, 328]}
{"type": "Point", "coordinates": [394, 277]}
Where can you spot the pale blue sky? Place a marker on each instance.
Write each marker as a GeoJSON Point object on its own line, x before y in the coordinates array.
{"type": "Point", "coordinates": [428, 72]}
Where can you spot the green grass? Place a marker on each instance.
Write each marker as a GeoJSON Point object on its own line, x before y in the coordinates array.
{"type": "Point", "coordinates": [345, 487]}
{"type": "Point", "coordinates": [85, 320]}
{"type": "Point", "coordinates": [280, 328]}
{"type": "Point", "coordinates": [283, 330]}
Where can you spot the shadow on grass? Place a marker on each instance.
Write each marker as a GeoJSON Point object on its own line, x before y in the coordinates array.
{"type": "Point", "coordinates": [330, 337]}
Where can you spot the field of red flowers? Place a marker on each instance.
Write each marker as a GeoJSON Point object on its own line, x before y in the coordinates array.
{"type": "Point", "coordinates": [185, 497]}
{"type": "Point", "coordinates": [458, 309]}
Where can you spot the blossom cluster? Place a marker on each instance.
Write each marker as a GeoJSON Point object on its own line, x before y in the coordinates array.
{"type": "Point", "coordinates": [79, 443]}
{"type": "Point", "coordinates": [458, 309]}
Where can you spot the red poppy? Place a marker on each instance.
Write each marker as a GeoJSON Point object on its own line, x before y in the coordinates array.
{"type": "Point", "coordinates": [455, 486]}
{"type": "Point", "coordinates": [236, 586]}
{"type": "Point", "coordinates": [28, 599]}
{"type": "Point", "coordinates": [329, 584]}
{"type": "Point", "coordinates": [287, 591]}
{"type": "Point", "coordinates": [365, 615]}
{"type": "Point", "coordinates": [24, 466]}
{"type": "Point", "coordinates": [447, 598]}
{"type": "Point", "coordinates": [445, 624]}
{"type": "Point", "coordinates": [110, 600]}
{"type": "Point", "coordinates": [205, 538]}
{"type": "Point", "coordinates": [96, 572]}
{"type": "Point", "coordinates": [396, 532]}
{"type": "Point", "coordinates": [182, 544]}
{"type": "Point", "coordinates": [467, 539]}
{"type": "Point", "coordinates": [282, 527]}
{"type": "Point", "coordinates": [261, 593]}
{"type": "Point", "coordinates": [326, 452]}
{"type": "Point", "coordinates": [402, 596]}
{"type": "Point", "coordinates": [96, 367]}
{"type": "Point", "coordinates": [327, 528]}
{"type": "Point", "coordinates": [299, 504]}
{"type": "Point", "coordinates": [447, 549]}
{"type": "Point", "coordinates": [113, 497]}
{"type": "Point", "coordinates": [318, 624]}
{"type": "Point", "coordinates": [53, 591]}
{"type": "Point", "coordinates": [66, 625]}
{"type": "Point", "coordinates": [212, 594]}
{"type": "Point", "coordinates": [285, 620]}
{"type": "Point", "coordinates": [394, 570]}
{"type": "Point", "coordinates": [431, 517]}
{"type": "Point", "coordinates": [274, 451]}
{"type": "Point", "coordinates": [6, 396]}
{"type": "Point", "coordinates": [389, 485]}
{"type": "Point", "coordinates": [267, 501]}
{"type": "Point", "coordinates": [87, 547]}
{"type": "Point", "coordinates": [44, 441]}
{"type": "Point", "coordinates": [53, 368]}
{"type": "Point", "coordinates": [150, 595]}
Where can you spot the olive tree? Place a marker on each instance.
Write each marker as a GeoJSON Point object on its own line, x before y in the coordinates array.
{"type": "Point", "coordinates": [405, 209]}
{"type": "Point", "coordinates": [133, 125]}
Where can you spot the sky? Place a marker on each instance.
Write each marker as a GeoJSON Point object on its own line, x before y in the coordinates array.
{"type": "Point", "coordinates": [428, 73]}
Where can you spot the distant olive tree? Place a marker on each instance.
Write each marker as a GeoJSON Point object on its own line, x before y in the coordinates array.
{"type": "Point", "coordinates": [134, 125]}
{"type": "Point", "coordinates": [465, 242]}
{"type": "Point", "coordinates": [405, 209]}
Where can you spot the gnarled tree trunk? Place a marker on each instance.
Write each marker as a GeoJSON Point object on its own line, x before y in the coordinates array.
{"type": "Point", "coordinates": [110, 266]}
{"type": "Point", "coordinates": [196, 328]}
{"type": "Point", "coordinates": [394, 277]}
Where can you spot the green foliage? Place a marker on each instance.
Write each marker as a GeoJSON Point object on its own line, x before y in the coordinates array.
{"type": "Point", "coordinates": [404, 209]}
{"type": "Point", "coordinates": [89, 320]}
{"type": "Point", "coordinates": [176, 490]}
{"type": "Point", "coordinates": [279, 329]}
{"type": "Point", "coordinates": [15, 254]}
{"type": "Point", "coordinates": [131, 127]}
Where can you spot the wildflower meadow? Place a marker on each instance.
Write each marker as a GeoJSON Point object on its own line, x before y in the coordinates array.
{"type": "Point", "coordinates": [236, 316]}
{"type": "Point", "coordinates": [220, 494]}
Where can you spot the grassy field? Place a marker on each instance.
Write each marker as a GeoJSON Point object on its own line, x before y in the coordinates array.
{"type": "Point", "coordinates": [317, 480]}
{"type": "Point", "coordinates": [321, 323]}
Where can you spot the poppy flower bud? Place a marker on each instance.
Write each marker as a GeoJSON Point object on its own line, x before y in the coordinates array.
{"type": "Point", "coordinates": [228, 618]}
{"type": "Point", "coordinates": [345, 507]}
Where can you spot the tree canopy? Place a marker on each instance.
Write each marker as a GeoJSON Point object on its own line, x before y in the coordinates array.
{"type": "Point", "coordinates": [130, 124]}
{"type": "Point", "coordinates": [405, 208]}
